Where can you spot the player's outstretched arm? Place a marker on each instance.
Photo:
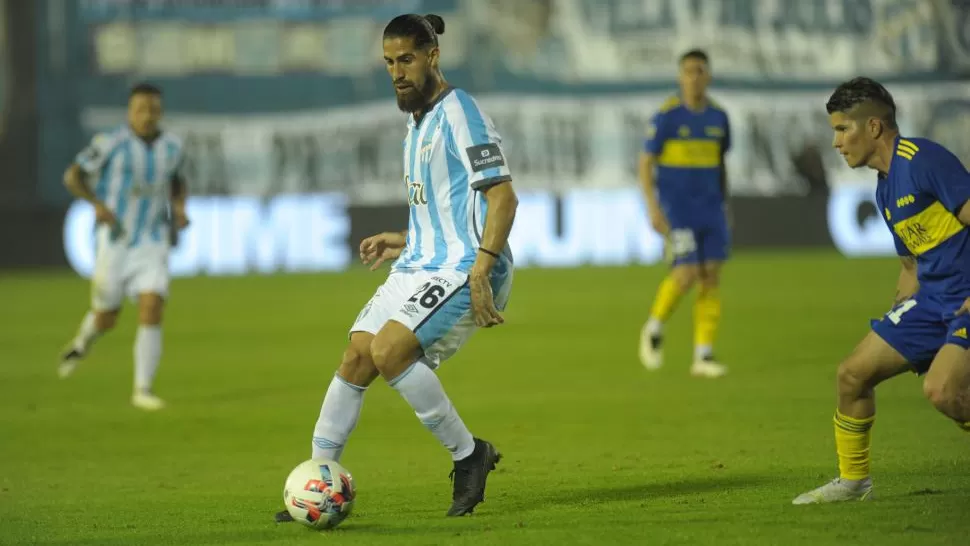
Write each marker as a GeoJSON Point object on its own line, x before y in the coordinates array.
{"type": "Point", "coordinates": [502, 204]}
{"type": "Point", "coordinates": [908, 284]}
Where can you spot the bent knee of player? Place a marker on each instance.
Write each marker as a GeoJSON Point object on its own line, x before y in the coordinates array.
{"type": "Point", "coordinates": [939, 394]}
{"type": "Point", "coordinates": [394, 349]}
{"type": "Point", "coordinates": [106, 320]}
{"type": "Point", "coordinates": [710, 275]}
{"type": "Point", "coordinates": [150, 307]}
{"type": "Point", "coordinates": [357, 367]}
{"type": "Point", "coordinates": [686, 275]}
{"type": "Point", "coordinates": [854, 377]}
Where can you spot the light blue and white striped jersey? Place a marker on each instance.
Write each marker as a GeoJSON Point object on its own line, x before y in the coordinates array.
{"type": "Point", "coordinates": [449, 156]}
{"type": "Point", "coordinates": [133, 178]}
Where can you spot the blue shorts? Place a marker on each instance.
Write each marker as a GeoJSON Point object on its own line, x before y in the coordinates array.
{"type": "Point", "coordinates": [687, 244]}
{"type": "Point", "coordinates": [920, 326]}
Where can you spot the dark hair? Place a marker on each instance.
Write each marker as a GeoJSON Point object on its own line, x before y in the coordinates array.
{"type": "Point", "coordinates": [866, 97]}
{"type": "Point", "coordinates": [145, 88]}
{"type": "Point", "coordinates": [698, 54]}
{"type": "Point", "coordinates": [424, 30]}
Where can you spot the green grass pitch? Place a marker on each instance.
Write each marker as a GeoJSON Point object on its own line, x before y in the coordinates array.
{"type": "Point", "coordinates": [597, 449]}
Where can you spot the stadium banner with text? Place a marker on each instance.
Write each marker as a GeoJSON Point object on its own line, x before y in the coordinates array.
{"type": "Point", "coordinates": [781, 143]}
{"type": "Point", "coordinates": [235, 235]}
{"type": "Point", "coordinates": [570, 82]}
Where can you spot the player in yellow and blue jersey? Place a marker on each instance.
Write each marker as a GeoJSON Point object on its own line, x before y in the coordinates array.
{"type": "Point", "coordinates": [685, 183]}
{"type": "Point", "coordinates": [922, 192]}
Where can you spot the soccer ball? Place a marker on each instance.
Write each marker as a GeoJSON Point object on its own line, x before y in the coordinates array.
{"type": "Point", "coordinates": [319, 493]}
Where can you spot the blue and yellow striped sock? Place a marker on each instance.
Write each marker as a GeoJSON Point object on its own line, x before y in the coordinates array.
{"type": "Point", "coordinates": [666, 300]}
{"type": "Point", "coordinates": [852, 440]}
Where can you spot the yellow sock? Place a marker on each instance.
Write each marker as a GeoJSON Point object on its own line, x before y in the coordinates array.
{"type": "Point", "coordinates": [852, 440]}
{"type": "Point", "coordinates": [707, 316]}
{"type": "Point", "coordinates": [666, 300]}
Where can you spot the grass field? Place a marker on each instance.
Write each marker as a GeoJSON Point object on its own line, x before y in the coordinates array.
{"type": "Point", "coordinates": [598, 450]}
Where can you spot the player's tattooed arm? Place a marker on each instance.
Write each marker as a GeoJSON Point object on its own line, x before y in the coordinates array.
{"type": "Point", "coordinates": [908, 284]}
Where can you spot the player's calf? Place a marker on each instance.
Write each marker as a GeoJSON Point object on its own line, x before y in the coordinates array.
{"type": "Point", "coordinates": [344, 400]}
{"type": "Point", "coordinates": [707, 317]}
{"type": "Point", "coordinates": [148, 351]}
{"type": "Point", "coordinates": [677, 283]}
{"type": "Point", "coordinates": [396, 352]}
{"type": "Point", "coordinates": [93, 325]}
{"type": "Point", "coordinates": [342, 403]}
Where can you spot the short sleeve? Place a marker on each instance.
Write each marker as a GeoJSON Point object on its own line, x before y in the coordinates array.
{"type": "Point", "coordinates": [477, 143]}
{"type": "Point", "coordinates": [93, 157]}
{"type": "Point", "coordinates": [901, 249]}
{"type": "Point", "coordinates": [941, 174]}
{"type": "Point", "coordinates": [654, 141]}
{"type": "Point", "coordinates": [726, 143]}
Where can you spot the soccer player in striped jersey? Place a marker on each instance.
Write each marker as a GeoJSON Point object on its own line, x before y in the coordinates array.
{"type": "Point", "coordinates": [923, 193]}
{"type": "Point", "coordinates": [453, 268]}
{"type": "Point", "coordinates": [132, 177]}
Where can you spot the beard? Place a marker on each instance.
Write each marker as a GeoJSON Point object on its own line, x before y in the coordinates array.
{"type": "Point", "coordinates": [415, 98]}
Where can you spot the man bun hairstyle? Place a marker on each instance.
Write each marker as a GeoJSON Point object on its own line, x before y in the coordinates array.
{"type": "Point", "coordinates": [424, 30]}
{"type": "Point", "coordinates": [436, 22]}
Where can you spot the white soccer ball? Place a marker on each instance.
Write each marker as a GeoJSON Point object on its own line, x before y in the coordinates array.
{"type": "Point", "coordinates": [319, 493]}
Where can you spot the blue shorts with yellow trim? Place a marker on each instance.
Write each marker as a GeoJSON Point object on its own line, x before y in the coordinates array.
{"type": "Point", "coordinates": [688, 244]}
{"type": "Point", "coordinates": [920, 326]}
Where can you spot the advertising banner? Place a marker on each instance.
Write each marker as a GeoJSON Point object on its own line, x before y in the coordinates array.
{"type": "Point", "coordinates": [235, 235]}
{"type": "Point", "coordinates": [781, 146]}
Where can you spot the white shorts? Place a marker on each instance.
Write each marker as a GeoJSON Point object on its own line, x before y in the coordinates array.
{"type": "Point", "coordinates": [435, 305]}
{"type": "Point", "coordinates": [121, 271]}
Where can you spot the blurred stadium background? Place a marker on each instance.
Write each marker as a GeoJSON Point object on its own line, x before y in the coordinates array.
{"type": "Point", "coordinates": [279, 99]}
{"type": "Point", "coordinates": [294, 143]}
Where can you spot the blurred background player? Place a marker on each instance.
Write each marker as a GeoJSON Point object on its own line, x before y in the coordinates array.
{"type": "Point", "coordinates": [685, 184]}
{"type": "Point", "coordinates": [138, 194]}
{"type": "Point", "coordinates": [923, 191]}
{"type": "Point", "coordinates": [453, 271]}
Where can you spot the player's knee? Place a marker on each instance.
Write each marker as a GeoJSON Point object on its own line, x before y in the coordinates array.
{"type": "Point", "coordinates": [710, 277]}
{"type": "Point", "coordinates": [391, 352]}
{"type": "Point", "coordinates": [381, 353]}
{"type": "Point", "coordinates": [853, 377]}
{"type": "Point", "coordinates": [685, 276]}
{"type": "Point", "coordinates": [105, 320]}
{"type": "Point", "coordinates": [356, 367]}
{"type": "Point", "coordinates": [150, 309]}
{"type": "Point", "coordinates": [939, 394]}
